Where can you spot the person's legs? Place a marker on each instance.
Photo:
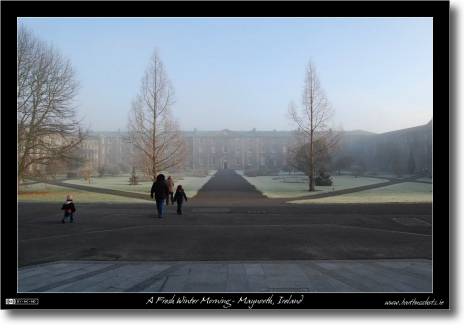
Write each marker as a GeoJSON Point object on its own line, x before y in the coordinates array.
{"type": "Point", "coordinates": [72, 217]}
{"type": "Point", "coordinates": [64, 218]}
{"type": "Point", "coordinates": [179, 207]}
{"type": "Point", "coordinates": [158, 208]}
{"type": "Point", "coordinates": [161, 208]}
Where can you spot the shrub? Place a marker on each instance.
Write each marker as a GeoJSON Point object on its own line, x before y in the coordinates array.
{"type": "Point", "coordinates": [71, 174]}
{"type": "Point", "coordinates": [251, 172]}
{"type": "Point", "coordinates": [113, 170]}
{"type": "Point", "coordinates": [86, 172]}
{"type": "Point", "coordinates": [323, 179]}
{"type": "Point", "coordinates": [357, 170]}
{"type": "Point", "coordinates": [101, 170]}
{"type": "Point", "coordinates": [399, 169]}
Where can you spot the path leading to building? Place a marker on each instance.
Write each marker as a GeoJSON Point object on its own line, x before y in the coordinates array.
{"type": "Point", "coordinates": [228, 187]}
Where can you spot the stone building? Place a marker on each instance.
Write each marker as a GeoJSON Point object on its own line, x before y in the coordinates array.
{"type": "Point", "coordinates": [381, 151]}
{"type": "Point", "coordinates": [239, 150]}
{"type": "Point", "coordinates": [209, 150]}
{"type": "Point", "coordinates": [108, 148]}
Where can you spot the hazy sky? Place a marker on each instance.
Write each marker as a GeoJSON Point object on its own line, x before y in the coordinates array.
{"type": "Point", "coordinates": [241, 73]}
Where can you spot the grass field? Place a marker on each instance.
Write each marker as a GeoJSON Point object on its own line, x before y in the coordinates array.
{"type": "Point", "coordinates": [408, 192]}
{"type": "Point", "coordinates": [271, 186]}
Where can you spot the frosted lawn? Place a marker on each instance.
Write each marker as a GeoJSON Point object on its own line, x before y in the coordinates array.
{"type": "Point", "coordinates": [272, 188]}
{"type": "Point", "coordinates": [39, 192]}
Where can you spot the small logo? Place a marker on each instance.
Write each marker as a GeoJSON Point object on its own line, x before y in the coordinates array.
{"type": "Point", "coordinates": [22, 301]}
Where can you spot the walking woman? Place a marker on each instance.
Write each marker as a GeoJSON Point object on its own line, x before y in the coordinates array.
{"type": "Point", "coordinates": [161, 192]}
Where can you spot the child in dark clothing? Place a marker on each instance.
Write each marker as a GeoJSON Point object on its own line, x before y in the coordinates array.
{"type": "Point", "coordinates": [69, 208]}
{"type": "Point", "coordinates": [179, 198]}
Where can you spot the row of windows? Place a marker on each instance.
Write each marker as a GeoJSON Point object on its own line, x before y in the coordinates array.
{"type": "Point", "coordinates": [226, 149]}
{"type": "Point", "coordinates": [249, 160]}
{"type": "Point", "coordinates": [237, 140]}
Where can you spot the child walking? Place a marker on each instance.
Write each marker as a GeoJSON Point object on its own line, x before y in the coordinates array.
{"type": "Point", "coordinates": [179, 198]}
{"type": "Point", "coordinates": [69, 208]}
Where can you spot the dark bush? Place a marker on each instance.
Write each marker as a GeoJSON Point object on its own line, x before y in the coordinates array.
{"type": "Point", "coordinates": [323, 179]}
{"type": "Point", "coordinates": [72, 174]}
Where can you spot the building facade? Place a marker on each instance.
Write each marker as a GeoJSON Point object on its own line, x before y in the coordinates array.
{"type": "Point", "coordinates": [240, 150]}
{"type": "Point", "coordinates": [381, 151]}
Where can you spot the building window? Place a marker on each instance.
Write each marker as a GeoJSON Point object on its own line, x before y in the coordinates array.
{"type": "Point", "coordinates": [237, 140]}
{"type": "Point", "coordinates": [200, 149]}
{"type": "Point", "coordinates": [109, 150]}
{"type": "Point", "coordinates": [273, 149]}
{"type": "Point", "coordinates": [237, 161]}
{"type": "Point", "coordinates": [108, 141]}
{"type": "Point", "coordinates": [213, 161]}
{"type": "Point", "coordinates": [225, 140]}
{"type": "Point", "coordinates": [213, 140]}
{"type": "Point", "coordinates": [200, 161]}
{"type": "Point", "coordinates": [425, 151]}
{"type": "Point", "coordinates": [262, 149]}
{"type": "Point", "coordinates": [249, 149]}
{"type": "Point", "coordinates": [263, 161]}
{"type": "Point", "coordinates": [213, 149]}
{"type": "Point", "coordinates": [200, 140]}
{"type": "Point", "coordinates": [249, 140]}
{"type": "Point", "coordinates": [249, 160]}
{"type": "Point", "coordinates": [225, 149]}
{"type": "Point", "coordinates": [121, 150]}
{"type": "Point", "coordinates": [237, 150]}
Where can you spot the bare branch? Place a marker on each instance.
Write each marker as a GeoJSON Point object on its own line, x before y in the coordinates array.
{"type": "Point", "coordinates": [316, 142]}
{"type": "Point", "coordinates": [48, 130]}
{"type": "Point", "coordinates": [152, 128]}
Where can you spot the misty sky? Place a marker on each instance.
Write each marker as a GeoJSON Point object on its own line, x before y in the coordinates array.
{"type": "Point", "coordinates": [241, 73]}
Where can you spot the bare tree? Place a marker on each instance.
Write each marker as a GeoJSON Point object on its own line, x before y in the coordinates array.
{"type": "Point", "coordinates": [48, 131]}
{"type": "Point", "coordinates": [152, 128]}
{"type": "Point", "coordinates": [316, 140]}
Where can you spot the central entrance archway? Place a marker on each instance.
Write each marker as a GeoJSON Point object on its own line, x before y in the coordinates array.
{"type": "Point", "coordinates": [225, 163]}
